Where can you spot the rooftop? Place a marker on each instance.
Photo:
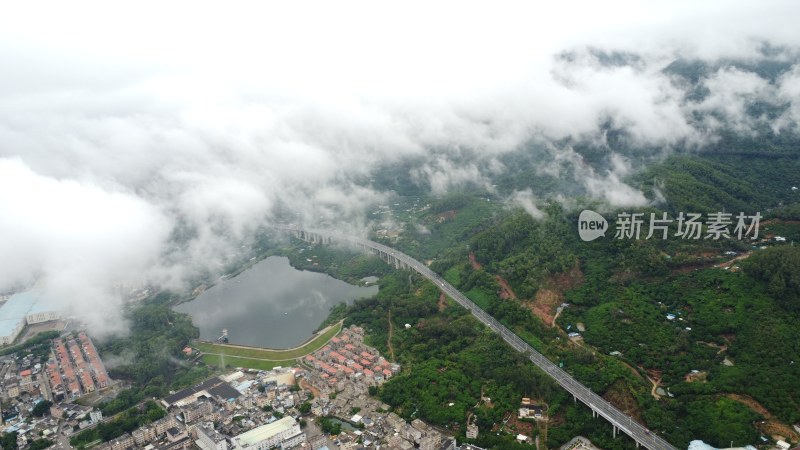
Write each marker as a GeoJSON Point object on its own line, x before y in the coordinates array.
{"type": "Point", "coordinates": [17, 306]}
{"type": "Point", "coordinates": [7, 325]}
{"type": "Point", "coordinates": [20, 305]}
{"type": "Point", "coordinates": [204, 386]}
{"type": "Point", "coordinates": [266, 431]}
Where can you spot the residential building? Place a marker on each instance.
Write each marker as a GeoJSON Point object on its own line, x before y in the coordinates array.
{"type": "Point", "coordinates": [144, 435]}
{"type": "Point", "coordinates": [123, 442]}
{"type": "Point", "coordinates": [96, 415]}
{"type": "Point", "coordinates": [210, 439]}
{"type": "Point", "coordinates": [398, 443]}
{"type": "Point", "coordinates": [430, 442]}
{"type": "Point", "coordinates": [163, 424]}
{"type": "Point", "coordinates": [472, 431]}
{"type": "Point", "coordinates": [196, 411]}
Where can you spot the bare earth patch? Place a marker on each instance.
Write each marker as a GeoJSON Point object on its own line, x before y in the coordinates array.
{"type": "Point", "coordinates": [474, 262]}
{"type": "Point", "coordinates": [305, 385]}
{"type": "Point", "coordinates": [771, 425]}
{"type": "Point", "coordinates": [442, 303]}
{"type": "Point", "coordinates": [734, 260]}
{"type": "Point", "coordinates": [551, 294]}
{"type": "Point", "coordinates": [545, 303]}
{"type": "Point", "coordinates": [391, 332]}
{"type": "Point", "coordinates": [445, 216]}
{"type": "Point", "coordinates": [519, 426]}
{"type": "Point", "coordinates": [695, 377]}
{"type": "Point", "coordinates": [654, 377]}
{"type": "Point", "coordinates": [720, 348]}
{"type": "Point", "coordinates": [506, 293]}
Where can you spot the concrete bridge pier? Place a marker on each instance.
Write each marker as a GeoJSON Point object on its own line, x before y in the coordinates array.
{"type": "Point", "coordinates": [614, 431]}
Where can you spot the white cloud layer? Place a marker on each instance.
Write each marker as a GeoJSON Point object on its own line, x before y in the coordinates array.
{"type": "Point", "coordinates": [119, 123]}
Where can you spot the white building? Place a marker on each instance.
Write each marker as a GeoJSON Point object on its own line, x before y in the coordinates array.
{"type": "Point", "coordinates": [96, 416]}
{"type": "Point", "coordinates": [210, 439]}
{"type": "Point", "coordinates": [41, 313]}
{"type": "Point", "coordinates": [284, 433]}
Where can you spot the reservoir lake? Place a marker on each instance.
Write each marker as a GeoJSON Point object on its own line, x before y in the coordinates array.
{"type": "Point", "coordinates": [271, 304]}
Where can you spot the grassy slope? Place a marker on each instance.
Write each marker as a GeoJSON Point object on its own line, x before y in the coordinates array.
{"type": "Point", "coordinates": [258, 364]}
{"type": "Point", "coordinates": [268, 354]}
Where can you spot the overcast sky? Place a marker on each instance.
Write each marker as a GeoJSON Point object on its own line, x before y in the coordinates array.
{"type": "Point", "coordinates": [119, 122]}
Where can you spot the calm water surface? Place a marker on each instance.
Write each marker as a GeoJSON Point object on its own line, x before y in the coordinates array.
{"type": "Point", "coordinates": [272, 304]}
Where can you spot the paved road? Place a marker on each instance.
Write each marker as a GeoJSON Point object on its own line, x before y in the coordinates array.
{"type": "Point", "coordinates": [618, 419]}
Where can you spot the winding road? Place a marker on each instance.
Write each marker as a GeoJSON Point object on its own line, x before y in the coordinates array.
{"type": "Point", "coordinates": [599, 406]}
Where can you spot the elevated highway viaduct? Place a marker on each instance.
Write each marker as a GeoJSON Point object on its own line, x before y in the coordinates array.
{"type": "Point", "coordinates": [599, 406]}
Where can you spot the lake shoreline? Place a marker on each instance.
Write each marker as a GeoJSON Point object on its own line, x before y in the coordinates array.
{"type": "Point", "coordinates": [271, 304]}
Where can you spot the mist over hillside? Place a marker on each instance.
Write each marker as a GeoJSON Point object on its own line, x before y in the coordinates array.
{"type": "Point", "coordinates": [145, 144]}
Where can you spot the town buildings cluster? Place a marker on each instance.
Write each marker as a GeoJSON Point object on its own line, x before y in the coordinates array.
{"type": "Point", "coordinates": [280, 408]}
{"type": "Point", "coordinates": [244, 410]}
{"type": "Point", "coordinates": [76, 369]}
{"type": "Point", "coordinates": [346, 360]}
{"type": "Point", "coordinates": [72, 368]}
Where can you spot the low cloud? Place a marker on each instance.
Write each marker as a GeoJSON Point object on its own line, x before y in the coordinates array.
{"type": "Point", "coordinates": [526, 200]}
{"type": "Point", "coordinates": [147, 157]}
{"type": "Point", "coordinates": [443, 175]}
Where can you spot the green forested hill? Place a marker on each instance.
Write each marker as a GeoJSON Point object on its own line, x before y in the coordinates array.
{"type": "Point", "coordinates": [725, 357]}
{"type": "Point", "coordinates": [732, 342]}
{"type": "Point", "coordinates": [718, 182]}
{"type": "Point", "coordinates": [733, 329]}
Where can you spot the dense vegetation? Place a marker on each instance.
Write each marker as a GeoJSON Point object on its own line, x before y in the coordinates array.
{"type": "Point", "coordinates": [450, 361]}
{"type": "Point", "coordinates": [42, 408]}
{"type": "Point", "coordinates": [9, 440]}
{"type": "Point", "coordinates": [39, 344]}
{"type": "Point", "coordinates": [152, 352]}
{"type": "Point", "coordinates": [40, 444]}
{"type": "Point", "coordinates": [722, 184]}
{"type": "Point", "coordinates": [348, 264]}
{"type": "Point", "coordinates": [125, 422]}
{"type": "Point", "coordinates": [730, 336]}
{"type": "Point", "coordinates": [779, 268]}
{"type": "Point", "coordinates": [330, 426]}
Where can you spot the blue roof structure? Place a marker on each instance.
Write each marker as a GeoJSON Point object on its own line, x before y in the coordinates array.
{"type": "Point", "coordinates": [19, 306]}
{"type": "Point", "coordinates": [7, 326]}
